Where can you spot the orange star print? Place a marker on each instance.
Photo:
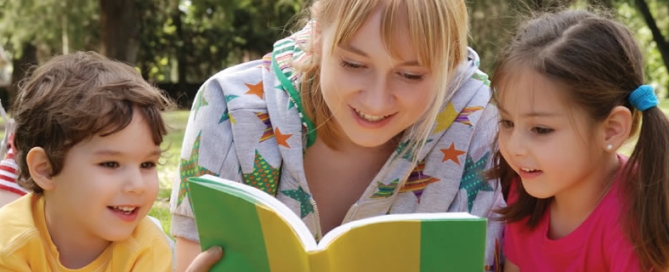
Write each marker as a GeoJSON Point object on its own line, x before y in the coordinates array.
{"type": "Point", "coordinates": [452, 154]}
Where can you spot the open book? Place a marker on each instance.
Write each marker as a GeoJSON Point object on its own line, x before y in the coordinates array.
{"type": "Point", "coordinates": [259, 233]}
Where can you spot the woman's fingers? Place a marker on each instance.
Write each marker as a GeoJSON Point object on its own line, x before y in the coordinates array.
{"type": "Point", "coordinates": [205, 260]}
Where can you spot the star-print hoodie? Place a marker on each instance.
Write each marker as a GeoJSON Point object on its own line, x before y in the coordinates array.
{"type": "Point", "coordinates": [246, 125]}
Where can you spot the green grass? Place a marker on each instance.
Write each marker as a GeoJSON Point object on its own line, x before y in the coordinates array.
{"type": "Point", "coordinates": [167, 170]}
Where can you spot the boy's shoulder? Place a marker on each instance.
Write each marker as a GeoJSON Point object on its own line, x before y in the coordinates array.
{"type": "Point", "coordinates": [147, 249]}
{"type": "Point", "coordinates": [18, 225]}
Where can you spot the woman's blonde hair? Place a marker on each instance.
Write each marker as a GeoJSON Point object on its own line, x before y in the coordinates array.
{"type": "Point", "coordinates": [438, 31]}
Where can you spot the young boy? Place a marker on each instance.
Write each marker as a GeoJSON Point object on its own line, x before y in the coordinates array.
{"type": "Point", "coordinates": [88, 134]}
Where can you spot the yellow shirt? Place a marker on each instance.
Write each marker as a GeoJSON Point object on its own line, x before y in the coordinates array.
{"type": "Point", "coordinates": [25, 244]}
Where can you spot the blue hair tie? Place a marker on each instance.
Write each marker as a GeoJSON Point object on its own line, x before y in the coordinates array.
{"type": "Point", "coordinates": [643, 98]}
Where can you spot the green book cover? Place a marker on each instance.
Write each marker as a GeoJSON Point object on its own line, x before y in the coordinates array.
{"type": "Point", "coordinates": [259, 233]}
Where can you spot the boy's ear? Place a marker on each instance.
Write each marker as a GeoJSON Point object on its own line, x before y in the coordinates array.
{"type": "Point", "coordinates": [617, 128]}
{"type": "Point", "coordinates": [40, 168]}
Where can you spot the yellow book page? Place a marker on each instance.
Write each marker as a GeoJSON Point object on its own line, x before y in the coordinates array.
{"type": "Point", "coordinates": [285, 251]}
{"type": "Point", "coordinates": [393, 246]}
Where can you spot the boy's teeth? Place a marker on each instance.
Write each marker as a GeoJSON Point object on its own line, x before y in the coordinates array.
{"type": "Point", "coordinates": [370, 118]}
{"type": "Point", "coordinates": [124, 208]}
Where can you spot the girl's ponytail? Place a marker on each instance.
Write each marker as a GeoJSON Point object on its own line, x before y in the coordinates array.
{"type": "Point", "coordinates": [646, 213]}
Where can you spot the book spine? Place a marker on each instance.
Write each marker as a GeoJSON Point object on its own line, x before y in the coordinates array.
{"type": "Point", "coordinates": [319, 261]}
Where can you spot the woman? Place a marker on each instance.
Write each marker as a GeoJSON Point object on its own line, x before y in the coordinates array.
{"type": "Point", "coordinates": [374, 107]}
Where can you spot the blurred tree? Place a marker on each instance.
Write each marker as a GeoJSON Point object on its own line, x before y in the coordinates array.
{"type": "Point", "coordinates": [232, 31]}
{"type": "Point", "coordinates": [183, 42]}
{"type": "Point", "coordinates": [651, 41]}
{"type": "Point", "coordinates": [548, 5]}
{"type": "Point", "coordinates": [120, 29]}
{"type": "Point", "coordinates": [491, 25]}
{"type": "Point", "coordinates": [36, 29]}
{"type": "Point", "coordinates": [660, 41]}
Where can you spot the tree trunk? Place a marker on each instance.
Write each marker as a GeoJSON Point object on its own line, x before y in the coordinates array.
{"type": "Point", "coordinates": [120, 29]}
{"type": "Point", "coordinates": [21, 66]}
{"type": "Point", "coordinates": [662, 44]}
{"type": "Point", "coordinates": [181, 49]}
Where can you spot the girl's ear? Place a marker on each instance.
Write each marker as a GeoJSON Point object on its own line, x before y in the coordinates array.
{"type": "Point", "coordinates": [40, 168]}
{"type": "Point", "coordinates": [617, 128]}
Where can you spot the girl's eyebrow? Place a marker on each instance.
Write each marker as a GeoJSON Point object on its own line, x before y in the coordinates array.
{"type": "Point", "coordinates": [531, 114]}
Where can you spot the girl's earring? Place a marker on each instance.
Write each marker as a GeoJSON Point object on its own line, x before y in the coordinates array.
{"type": "Point", "coordinates": [609, 147]}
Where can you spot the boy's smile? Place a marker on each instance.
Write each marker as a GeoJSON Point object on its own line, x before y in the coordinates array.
{"type": "Point", "coordinates": [126, 213]}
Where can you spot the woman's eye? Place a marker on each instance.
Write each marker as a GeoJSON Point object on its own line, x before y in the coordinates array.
{"type": "Point", "coordinates": [412, 76]}
{"type": "Point", "coordinates": [347, 64]}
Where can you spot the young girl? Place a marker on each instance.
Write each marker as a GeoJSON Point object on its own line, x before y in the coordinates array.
{"type": "Point", "coordinates": [374, 107]}
{"type": "Point", "coordinates": [570, 93]}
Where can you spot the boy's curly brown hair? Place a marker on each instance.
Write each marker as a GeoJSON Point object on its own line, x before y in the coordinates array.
{"type": "Point", "coordinates": [76, 96]}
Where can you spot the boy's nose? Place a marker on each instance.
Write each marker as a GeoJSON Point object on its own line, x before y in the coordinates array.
{"type": "Point", "coordinates": [135, 182]}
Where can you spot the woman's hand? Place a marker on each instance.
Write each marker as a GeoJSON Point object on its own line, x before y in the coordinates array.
{"type": "Point", "coordinates": [190, 259]}
{"type": "Point", "coordinates": [205, 260]}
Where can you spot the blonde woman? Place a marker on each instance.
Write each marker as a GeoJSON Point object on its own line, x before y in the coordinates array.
{"type": "Point", "coordinates": [373, 107]}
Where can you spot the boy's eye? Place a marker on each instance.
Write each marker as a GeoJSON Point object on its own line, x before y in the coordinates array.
{"type": "Point", "coordinates": [148, 165]}
{"type": "Point", "coordinates": [506, 123]}
{"type": "Point", "coordinates": [351, 65]}
{"type": "Point", "coordinates": [542, 130]}
{"type": "Point", "coordinates": [109, 164]}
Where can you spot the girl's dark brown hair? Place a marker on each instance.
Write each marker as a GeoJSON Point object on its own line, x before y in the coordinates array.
{"type": "Point", "coordinates": [600, 64]}
{"type": "Point", "coordinates": [74, 97]}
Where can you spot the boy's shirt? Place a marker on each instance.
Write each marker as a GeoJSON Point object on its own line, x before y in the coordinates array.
{"type": "Point", "coordinates": [25, 244]}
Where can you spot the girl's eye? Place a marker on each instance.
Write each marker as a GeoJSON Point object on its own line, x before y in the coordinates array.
{"type": "Point", "coordinates": [506, 123]}
{"type": "Point", "coordinates": [148, 165]}
{"type": "Point", "coordinates": [351, 65]}
{"type": "Point", "coordinates": [109, 164]}
{"type": "Point", "coordinates": [542, 130]}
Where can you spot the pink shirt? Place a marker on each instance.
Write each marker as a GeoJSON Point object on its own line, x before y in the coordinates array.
{"type": "Point", "coordinates": [598, 244]}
